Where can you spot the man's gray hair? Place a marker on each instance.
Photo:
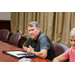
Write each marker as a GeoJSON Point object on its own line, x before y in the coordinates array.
{"type": "Point", "coordinates": [35, 23]}
{"type": "Point", "coordinates": [72, 32]}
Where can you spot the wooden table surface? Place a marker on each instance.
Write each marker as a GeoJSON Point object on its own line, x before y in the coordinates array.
{"type": "Point", "coordinates": [6, 58]}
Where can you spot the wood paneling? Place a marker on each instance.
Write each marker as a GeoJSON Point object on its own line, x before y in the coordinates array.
{"type": "Point", "coordinates": [5, 24]}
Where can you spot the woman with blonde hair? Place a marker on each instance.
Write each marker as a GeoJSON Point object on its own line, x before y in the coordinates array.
{"type": "Point", "coordinates": [70, 53]}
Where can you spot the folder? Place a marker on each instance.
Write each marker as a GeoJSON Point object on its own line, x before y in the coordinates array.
{"type": "Point", "coordinates": [19, 54]}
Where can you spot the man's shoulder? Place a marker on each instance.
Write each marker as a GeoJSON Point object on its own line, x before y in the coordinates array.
{"type": "Point", "coordinates": [42, 35]}
{"type": "Point", "coordinates": [28, 37]}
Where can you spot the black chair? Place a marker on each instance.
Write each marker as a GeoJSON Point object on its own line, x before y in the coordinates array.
{"type": "Point", "coordinates": [60, 48]}
{"type": "Point", "coordinates": [14, 39]}
{"type": "Point", "coordinates": [4, 34]}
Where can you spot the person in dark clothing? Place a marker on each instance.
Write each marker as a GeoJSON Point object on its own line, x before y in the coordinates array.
{"type": "Point", "coordinates": [38, 43]}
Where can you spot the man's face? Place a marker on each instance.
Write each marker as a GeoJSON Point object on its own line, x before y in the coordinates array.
{"type": "Point", "coordinates": [72, 41]}
{"type": "Point", "coordinates": [33, 31]}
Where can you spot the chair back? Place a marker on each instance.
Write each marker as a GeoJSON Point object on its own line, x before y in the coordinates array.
{"type": "Point", "coordinates": [14, 39]}
{"type": "Point", "coordinates": [60, 48]}
{"type": "Point", "coordinates": [4, 34]}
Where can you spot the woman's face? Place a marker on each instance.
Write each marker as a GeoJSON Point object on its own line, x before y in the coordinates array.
{"type": "Point", "coordinates": [72, 41]}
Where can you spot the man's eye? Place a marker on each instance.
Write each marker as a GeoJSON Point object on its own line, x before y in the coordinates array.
{"type": "Point", "coordinates": [32, 29]}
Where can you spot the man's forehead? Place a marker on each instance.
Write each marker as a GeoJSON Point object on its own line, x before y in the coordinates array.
{"type": "Point", "coordinates": [32, 25]}
{"type": "Point", "coordinates": [29, 27]}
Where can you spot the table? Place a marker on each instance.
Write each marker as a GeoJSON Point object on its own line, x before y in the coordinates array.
{"type": "Point", "coordinates": [4, 46]}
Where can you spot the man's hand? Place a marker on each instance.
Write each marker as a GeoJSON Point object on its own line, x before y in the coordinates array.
{"type": "Point", "coordinates": [30, 49]}
{"type": "Point", "coordinates": [24, 48]}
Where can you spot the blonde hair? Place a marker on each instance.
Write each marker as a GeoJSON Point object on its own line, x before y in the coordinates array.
{"type": "Point", "coordinates": [72, 32]}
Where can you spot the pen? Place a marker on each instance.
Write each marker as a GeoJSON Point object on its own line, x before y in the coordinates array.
{"type": "Point", "coordinates": [23, 54]}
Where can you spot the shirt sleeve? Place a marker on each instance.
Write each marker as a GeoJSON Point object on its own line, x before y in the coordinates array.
{"type": "Point", "coordinates": [27, 42]}
{"type": "Point", "coordinates": [66, 54]}
{"type": "Point", "coordinates": [44, 44]}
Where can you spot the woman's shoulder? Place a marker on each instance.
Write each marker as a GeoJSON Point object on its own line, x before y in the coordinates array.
{"type": "Point", "coordinates": [70, 48]}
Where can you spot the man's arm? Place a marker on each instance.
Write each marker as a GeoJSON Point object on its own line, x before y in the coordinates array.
{"type": "Point", "coordinates": [41, 54]}
{"type": "Point", "coordinates": [26, 43]}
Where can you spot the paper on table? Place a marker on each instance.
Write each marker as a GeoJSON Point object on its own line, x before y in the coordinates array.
{"type": "Point", "coordinates": [15, 53]}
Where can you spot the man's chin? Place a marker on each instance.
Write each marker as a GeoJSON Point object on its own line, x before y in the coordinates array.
{"type": "Point", "coordinates": [32, 37]}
